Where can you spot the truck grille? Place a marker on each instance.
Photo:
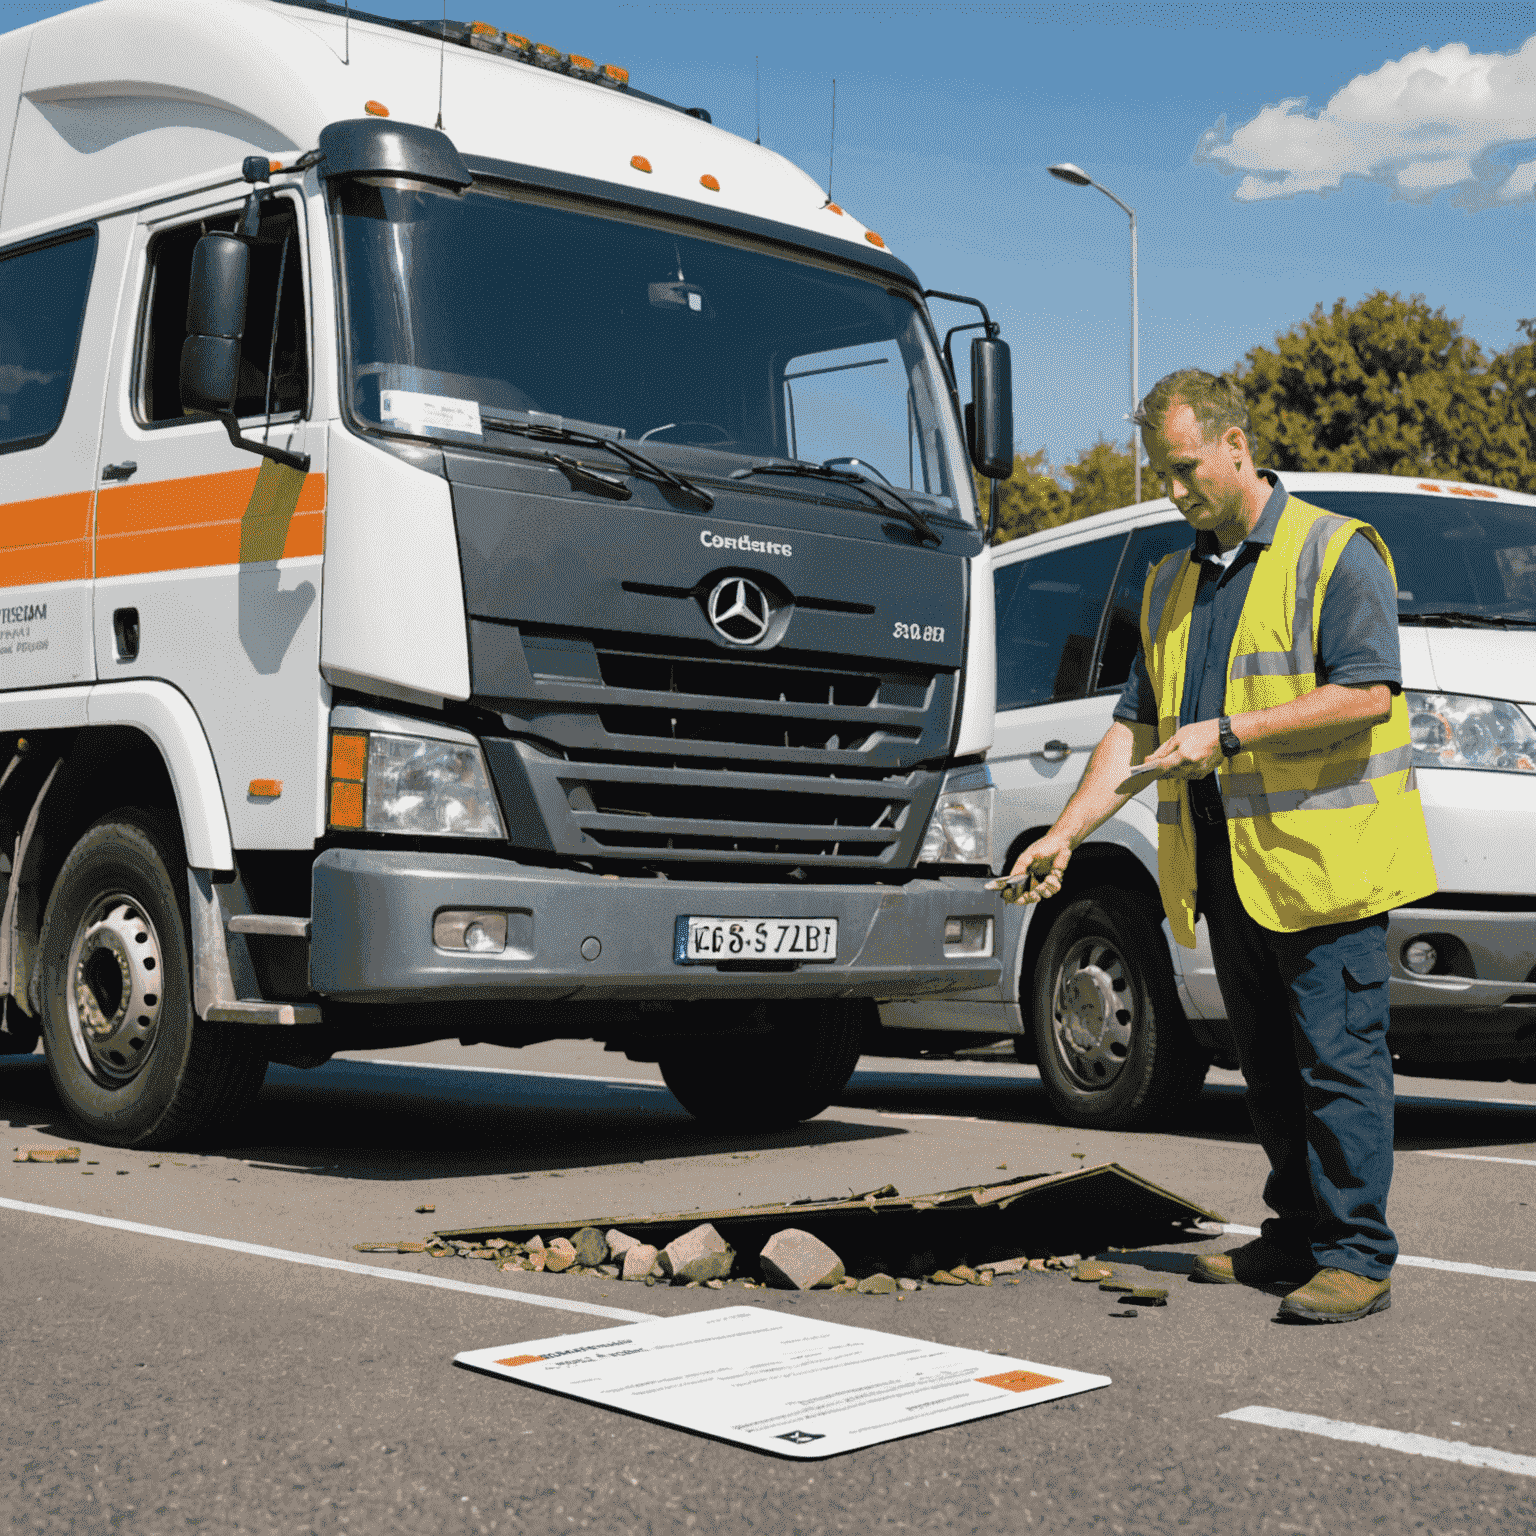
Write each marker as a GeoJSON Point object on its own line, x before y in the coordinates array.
{"type": "Point", "coordinates": [633, 752]}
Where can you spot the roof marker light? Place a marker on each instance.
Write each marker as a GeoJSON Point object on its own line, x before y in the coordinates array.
{"type": "Point", "coordinates": [709, 181]}
{"type": "Point", "coordinates": [549, 58]}
{"type": "Point", "coordinates": [615, 75]}
{"type": "Point", "coordinates": [874, 239]}
{"type": "Point", "coordinates": [265, 789]}
{"type": "Point", "coordinates": [640, 163]}
{"type": "Point", "coordinates": [484, 36]}
{"type": "Point", "coordinates": [375, 109]}
{"type": "Point", "coordinates": [583, 66]}
{"type": "Point", "coordinates": [833, 208]}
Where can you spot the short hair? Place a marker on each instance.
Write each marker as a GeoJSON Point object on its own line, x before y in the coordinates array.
{"type": "Point", "coordinates": [1217, 402]}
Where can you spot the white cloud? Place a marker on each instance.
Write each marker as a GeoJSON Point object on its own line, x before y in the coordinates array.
{"type": "Point", "coordinates": [1419, 124]}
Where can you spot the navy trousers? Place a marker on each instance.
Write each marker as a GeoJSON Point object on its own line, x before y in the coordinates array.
{"type": "Point", "coordinates": [1308, 1013]}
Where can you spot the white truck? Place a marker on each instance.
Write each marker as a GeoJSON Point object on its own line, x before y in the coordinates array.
{"type": "Point", "coordinates": [486, 554]}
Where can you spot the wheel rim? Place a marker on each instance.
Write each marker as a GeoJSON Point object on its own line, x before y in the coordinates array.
{"type": "Point", "coordinates": [1093, 1013]}
{"type": "Point", "coordinates": [113, 990]}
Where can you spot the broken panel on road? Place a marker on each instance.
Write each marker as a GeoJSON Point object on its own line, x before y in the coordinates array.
{"type": "Point", "coordinates": [1082, 1210]}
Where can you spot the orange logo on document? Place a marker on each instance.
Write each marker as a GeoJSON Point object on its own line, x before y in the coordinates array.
{"type": "Point", "coordinates": [1019, 1381]}
{"type": "Point", "coordinates": [521, 1360]}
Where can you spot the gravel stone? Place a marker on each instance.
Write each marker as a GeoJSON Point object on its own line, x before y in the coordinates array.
{"type": "Point", "coordinates": [591, 1248]}
{"type": "Point", "coordinates": [639, 1261]}
{"type": "Point", "coordinates": [796, 1260]}
{"type": "Point", "coordinates": [699, 1254]}
{"type": "Point", "coordinates": [877, 1285]}
{"type": "Point", "coordinates": [559, 1256]}
{"type": "Point", "coordinates": [619, 1243]}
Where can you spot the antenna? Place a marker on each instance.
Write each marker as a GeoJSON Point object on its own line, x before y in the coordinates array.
{"type": "Point", "coordinates": [442, 48]}
{"type": "Point", "coordinates": [757, 65]}
{"type": "Point", "coordinates": [347, 47]}
{"type": "Point", "coordinates": [833, 144]}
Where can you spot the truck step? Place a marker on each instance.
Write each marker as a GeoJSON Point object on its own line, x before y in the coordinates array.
{"type": "Point", "coordinates": [270, 925]}
{"type": "Point", "coordinates": [263, 1013]}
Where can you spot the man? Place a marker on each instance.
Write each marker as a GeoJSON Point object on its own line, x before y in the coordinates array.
{"type": "Point", "coordinates": [1269, 681]}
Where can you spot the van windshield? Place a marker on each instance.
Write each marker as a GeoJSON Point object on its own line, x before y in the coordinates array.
{"type": "Point", "coordinates": [707, 352]}
{"type": "Point", "coordinates": [1455, 554]}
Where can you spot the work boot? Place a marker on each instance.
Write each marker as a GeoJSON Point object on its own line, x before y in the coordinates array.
{"type": "Point", "coordinates": [1336, 1296]}
{"type": "Point", "coordinates": [1260, 1262]}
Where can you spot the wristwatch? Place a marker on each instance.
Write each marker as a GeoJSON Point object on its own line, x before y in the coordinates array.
{"type": "Point", "coordinates": [1230, 745]}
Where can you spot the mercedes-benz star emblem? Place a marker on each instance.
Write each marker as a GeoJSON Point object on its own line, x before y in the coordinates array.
{"type": "Point", "coordinates": [739, 610]}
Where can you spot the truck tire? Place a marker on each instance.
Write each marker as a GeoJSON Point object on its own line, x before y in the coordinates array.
{"type": "Point", "coordinates": [131, 1062]}
{"type": "Point", "coordinates": [1111, 1043]}
{"type": "Point", "coordinates": [773, 1078]}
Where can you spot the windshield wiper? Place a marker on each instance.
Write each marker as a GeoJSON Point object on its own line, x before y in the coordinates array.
{"type": "Point", "coordinates": [547, 432]}
{"type": "Point", "coordinates": [1453, 618]}
{"type": "Point", "coordinates": [885, 497]}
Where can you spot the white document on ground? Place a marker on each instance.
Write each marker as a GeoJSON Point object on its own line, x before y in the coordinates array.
{"type": "Point", "coordinates": [777, 1382]}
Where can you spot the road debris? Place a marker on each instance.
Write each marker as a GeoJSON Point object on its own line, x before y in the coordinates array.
{"type": "Point", "coordinates": [796, 1259]}
{"type": "Point", "coordinates": [47, 1155]}
{"type": "Point", "coordinates": [699, 1254]}
{"type": "Point", "coordinates": [639, 1261]}
{"type": "Point", "coordinates": [1149, 1296]}
{"type": "Point", "coordinates": [421, 1210]}
{"type": "Point", "coordinates": [1089, 1270]}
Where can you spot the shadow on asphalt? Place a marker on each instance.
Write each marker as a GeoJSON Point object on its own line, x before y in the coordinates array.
{"type": "Point", "coordinates": [379, 1120]}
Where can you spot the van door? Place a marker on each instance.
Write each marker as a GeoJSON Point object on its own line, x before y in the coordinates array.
{"type": "Point", "coordinates": [208, 556]}
{"type": "Point", "coordinates": [1048, 613]}
{"type": "Point", "coordinates": [58, 297]}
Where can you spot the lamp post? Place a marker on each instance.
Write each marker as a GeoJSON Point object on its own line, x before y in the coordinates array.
{"type": "Point", "coordinates": [1075, 176]}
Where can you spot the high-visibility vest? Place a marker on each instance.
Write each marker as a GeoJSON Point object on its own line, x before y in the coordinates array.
{"type": "Point", "coordinates": [1317, 837]}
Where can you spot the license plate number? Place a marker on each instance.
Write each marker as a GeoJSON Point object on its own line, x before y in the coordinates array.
{"type": "Point", "coordinates": [709, 940]}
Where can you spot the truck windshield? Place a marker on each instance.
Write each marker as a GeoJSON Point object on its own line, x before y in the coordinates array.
{"type": "Point", "coordinates": [1459, 555]}
{"type": "Point", "coordinates": [711, 352]}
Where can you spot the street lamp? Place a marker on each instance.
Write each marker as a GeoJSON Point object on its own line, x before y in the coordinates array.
{"type": "Point", "coordinates": [1077, 177]}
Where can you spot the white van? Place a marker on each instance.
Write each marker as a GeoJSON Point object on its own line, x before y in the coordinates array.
{"type": "Point", "coordinates": [1123, 1023]}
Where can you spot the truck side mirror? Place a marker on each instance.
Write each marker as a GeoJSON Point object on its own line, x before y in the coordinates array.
{"type": "Point", "coordinates": [989, 417]}
{"type": "Point", "coordinates": [210, 356]}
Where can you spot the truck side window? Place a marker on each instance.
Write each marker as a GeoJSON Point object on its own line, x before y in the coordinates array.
{"type": "Point", "coordinates": [1149, 545]}
{"type": "Point", "coordinates": [43, 289]}
{"type": "Point", "coordinates": [1048, 619]}
{"type": "Point", "coordinates": [274, 331]}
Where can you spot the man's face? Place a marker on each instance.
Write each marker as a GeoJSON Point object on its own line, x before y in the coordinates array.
{"type": "Point", "coordinates": [1199, 477]}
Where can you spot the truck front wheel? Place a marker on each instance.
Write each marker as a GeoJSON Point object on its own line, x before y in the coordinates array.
{"type": "Point", "coordinates": [795, 1063]}
{"type": "Point", "coordinates": [130, 1060]}
{"type": "Point", "coordinates": [1111, 1042]}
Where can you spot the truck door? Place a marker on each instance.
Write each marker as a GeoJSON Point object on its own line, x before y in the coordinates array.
{"type": "Point", "coordinates": [207, 556]}
{"type": "Point", "coordinates": [58, 296]}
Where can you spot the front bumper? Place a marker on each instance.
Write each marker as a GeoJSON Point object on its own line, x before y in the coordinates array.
{"type": "Point", "coordinates": [373, 911]}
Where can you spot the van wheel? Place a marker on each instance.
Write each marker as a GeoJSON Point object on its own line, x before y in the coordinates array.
{"type": "Point", "coordinates": [1111, 1042]}
{"type": "Point", "coordinates": [791, 1068]}
{"type": "Point", "coordinates": [132, 1064]}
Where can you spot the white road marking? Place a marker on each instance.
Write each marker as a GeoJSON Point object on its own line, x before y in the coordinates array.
{"type": "Point", "coordinates": [891, 1114]}
{"type": "Point", "coordinates": [443, 1066]}
{"type": "Point", "coordinates": [1449, 1265]}
{"type": "Point", "coordinates": [1390, 1439]}
{"type": "Point", "coordinates": [1481, 1157]}
{"type": "Point", "coordinates": [318, 1261]}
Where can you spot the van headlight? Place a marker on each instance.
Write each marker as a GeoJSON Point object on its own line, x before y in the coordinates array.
{"type": "Point", "coordinates": [1453, 730]}
{"type": "Point", "coordinates": [960, 829]}
{"type": "Point", "coordinates": [382, 782]}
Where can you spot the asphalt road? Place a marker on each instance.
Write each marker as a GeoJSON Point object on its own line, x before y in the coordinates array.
{"type": "Point", "coordinates": [154, 1384]}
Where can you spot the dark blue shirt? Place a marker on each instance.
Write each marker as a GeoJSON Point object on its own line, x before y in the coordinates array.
{"type": "Point", "coordinates": [1357, 630]}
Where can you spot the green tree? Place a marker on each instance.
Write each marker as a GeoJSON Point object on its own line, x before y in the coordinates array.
{"type": "Point", "coordinates": [1034, 497]}
{"type": "Point", "coordinates": [1390, 386]}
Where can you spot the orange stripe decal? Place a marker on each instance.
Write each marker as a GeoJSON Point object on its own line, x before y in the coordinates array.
{"type": "Point", "coordinates": [45, 539]}
{"type": "Point", "coordinates": [242, 517]}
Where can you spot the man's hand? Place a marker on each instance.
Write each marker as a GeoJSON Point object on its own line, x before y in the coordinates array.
{"type": "Point", "coordinates": [1192, 752]}
{"type": "Point", "coordinates": [1043, 863]}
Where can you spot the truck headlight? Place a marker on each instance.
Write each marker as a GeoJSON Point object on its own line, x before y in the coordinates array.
{"type": "Point", "coordinates": [381, 782]}
{"type": "Point", "coordinates": [960, 829]}
{"type": "Point", "coordinates": [1452, 730]}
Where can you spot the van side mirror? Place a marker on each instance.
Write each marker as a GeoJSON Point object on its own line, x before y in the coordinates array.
{"type": "Point", "coordinates": [210, 356]}
{"type": "Point", "coordinates": [989, 416]}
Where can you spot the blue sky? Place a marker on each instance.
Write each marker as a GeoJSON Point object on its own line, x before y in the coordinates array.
{"type": "Point", "coordinates": [1277, 155]}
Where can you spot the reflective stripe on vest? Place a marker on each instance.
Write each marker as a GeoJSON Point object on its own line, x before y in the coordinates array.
{"type": "Point", "coordinates": [1294, 869]}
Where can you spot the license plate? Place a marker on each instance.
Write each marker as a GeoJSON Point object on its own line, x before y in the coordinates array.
{"type": "Point", "coordinates": [710, 940]}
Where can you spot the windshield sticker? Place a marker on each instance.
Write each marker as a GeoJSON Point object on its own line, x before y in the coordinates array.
{"type": "Point", "coordinates": [406, 408]}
